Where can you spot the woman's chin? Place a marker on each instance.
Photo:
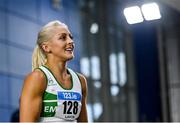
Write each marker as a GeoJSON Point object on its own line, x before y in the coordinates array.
{"type": "Point", "coordinates": [70, 57]}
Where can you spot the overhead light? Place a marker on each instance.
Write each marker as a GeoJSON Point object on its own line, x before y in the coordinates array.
{"type": "Point", "coordinates": [95, 70]}
{"type": "Point", "coordinates": [133, 15]}
{"type": "Point", "coordinates": [151, 11]}
{"type": "Point", "coordinates": [94, 28]}
{"type": "Point", "coordinates": [85, 66]}
{"type": "Point", "coordinates": [114, 90]}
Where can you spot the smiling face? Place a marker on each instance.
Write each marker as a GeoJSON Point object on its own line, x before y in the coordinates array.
{"type": "Point", "coordinates": [61, 45]}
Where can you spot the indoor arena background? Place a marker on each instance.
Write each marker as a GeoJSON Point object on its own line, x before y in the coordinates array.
{"type": "Point", "coordinates": [133, 71]}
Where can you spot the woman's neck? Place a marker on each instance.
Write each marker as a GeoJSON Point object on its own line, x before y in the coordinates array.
{"type": "Point", "coordinates": [58, 67]}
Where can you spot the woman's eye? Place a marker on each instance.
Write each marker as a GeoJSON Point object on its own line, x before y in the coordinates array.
{"type": "Point", "coordinates": [71, 36]}
{"type": "Point", "coordinates": [63, 37]}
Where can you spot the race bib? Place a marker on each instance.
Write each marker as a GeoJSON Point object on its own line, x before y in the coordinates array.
{"type": "Point", "coordinates": [69, 105]}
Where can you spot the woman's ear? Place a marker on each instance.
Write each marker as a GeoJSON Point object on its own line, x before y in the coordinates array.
{"type": "Point", "coordinates": [45, 47]}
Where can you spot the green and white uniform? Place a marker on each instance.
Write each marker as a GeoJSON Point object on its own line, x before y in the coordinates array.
{"type": "Point", "coordinates": [60, 104]}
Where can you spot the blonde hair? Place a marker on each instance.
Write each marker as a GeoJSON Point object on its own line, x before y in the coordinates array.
{"type": "Point", "coordinates": [39, 57]}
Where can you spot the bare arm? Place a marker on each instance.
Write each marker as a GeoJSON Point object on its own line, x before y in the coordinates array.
{"type": "Point", "coordinates": [83, 114]}
{"type": "Point", "coordinates": [31, 97]}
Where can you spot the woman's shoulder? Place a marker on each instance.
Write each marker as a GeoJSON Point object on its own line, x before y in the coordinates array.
{"type": "Point", "coordinates": [36, 75]}
{"type": "Point", "coordinates": [36, 79]}
{"type": "Point", "coordinates": [81, 76]}
{"type": "Point", "coordinates": [83, 82]}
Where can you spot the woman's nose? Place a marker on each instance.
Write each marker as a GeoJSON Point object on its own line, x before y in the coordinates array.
{"type": "Point", "coordinates": [70, 41]}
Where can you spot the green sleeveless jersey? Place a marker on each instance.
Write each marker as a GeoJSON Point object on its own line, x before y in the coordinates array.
{"type": "Point", "coordinates": [61, 104]}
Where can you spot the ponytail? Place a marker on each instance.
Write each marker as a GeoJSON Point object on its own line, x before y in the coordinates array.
{"type": "Point", "coordinates": [38, 57]}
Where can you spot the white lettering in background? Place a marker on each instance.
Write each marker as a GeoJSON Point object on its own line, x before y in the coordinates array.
{"type": "Point", "coordinates": [69, 116]}
{"type": "Point", "coordinates": [50, 108]}
{"type": "Point", "coordinates": [68, 95]}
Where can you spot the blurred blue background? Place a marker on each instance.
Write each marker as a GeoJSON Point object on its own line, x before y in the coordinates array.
{"type": "Point", "coordinates": [19, 25]}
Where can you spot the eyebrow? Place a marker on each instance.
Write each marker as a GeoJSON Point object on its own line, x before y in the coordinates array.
{"type": "Point", "coordinates": [64, 33]}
